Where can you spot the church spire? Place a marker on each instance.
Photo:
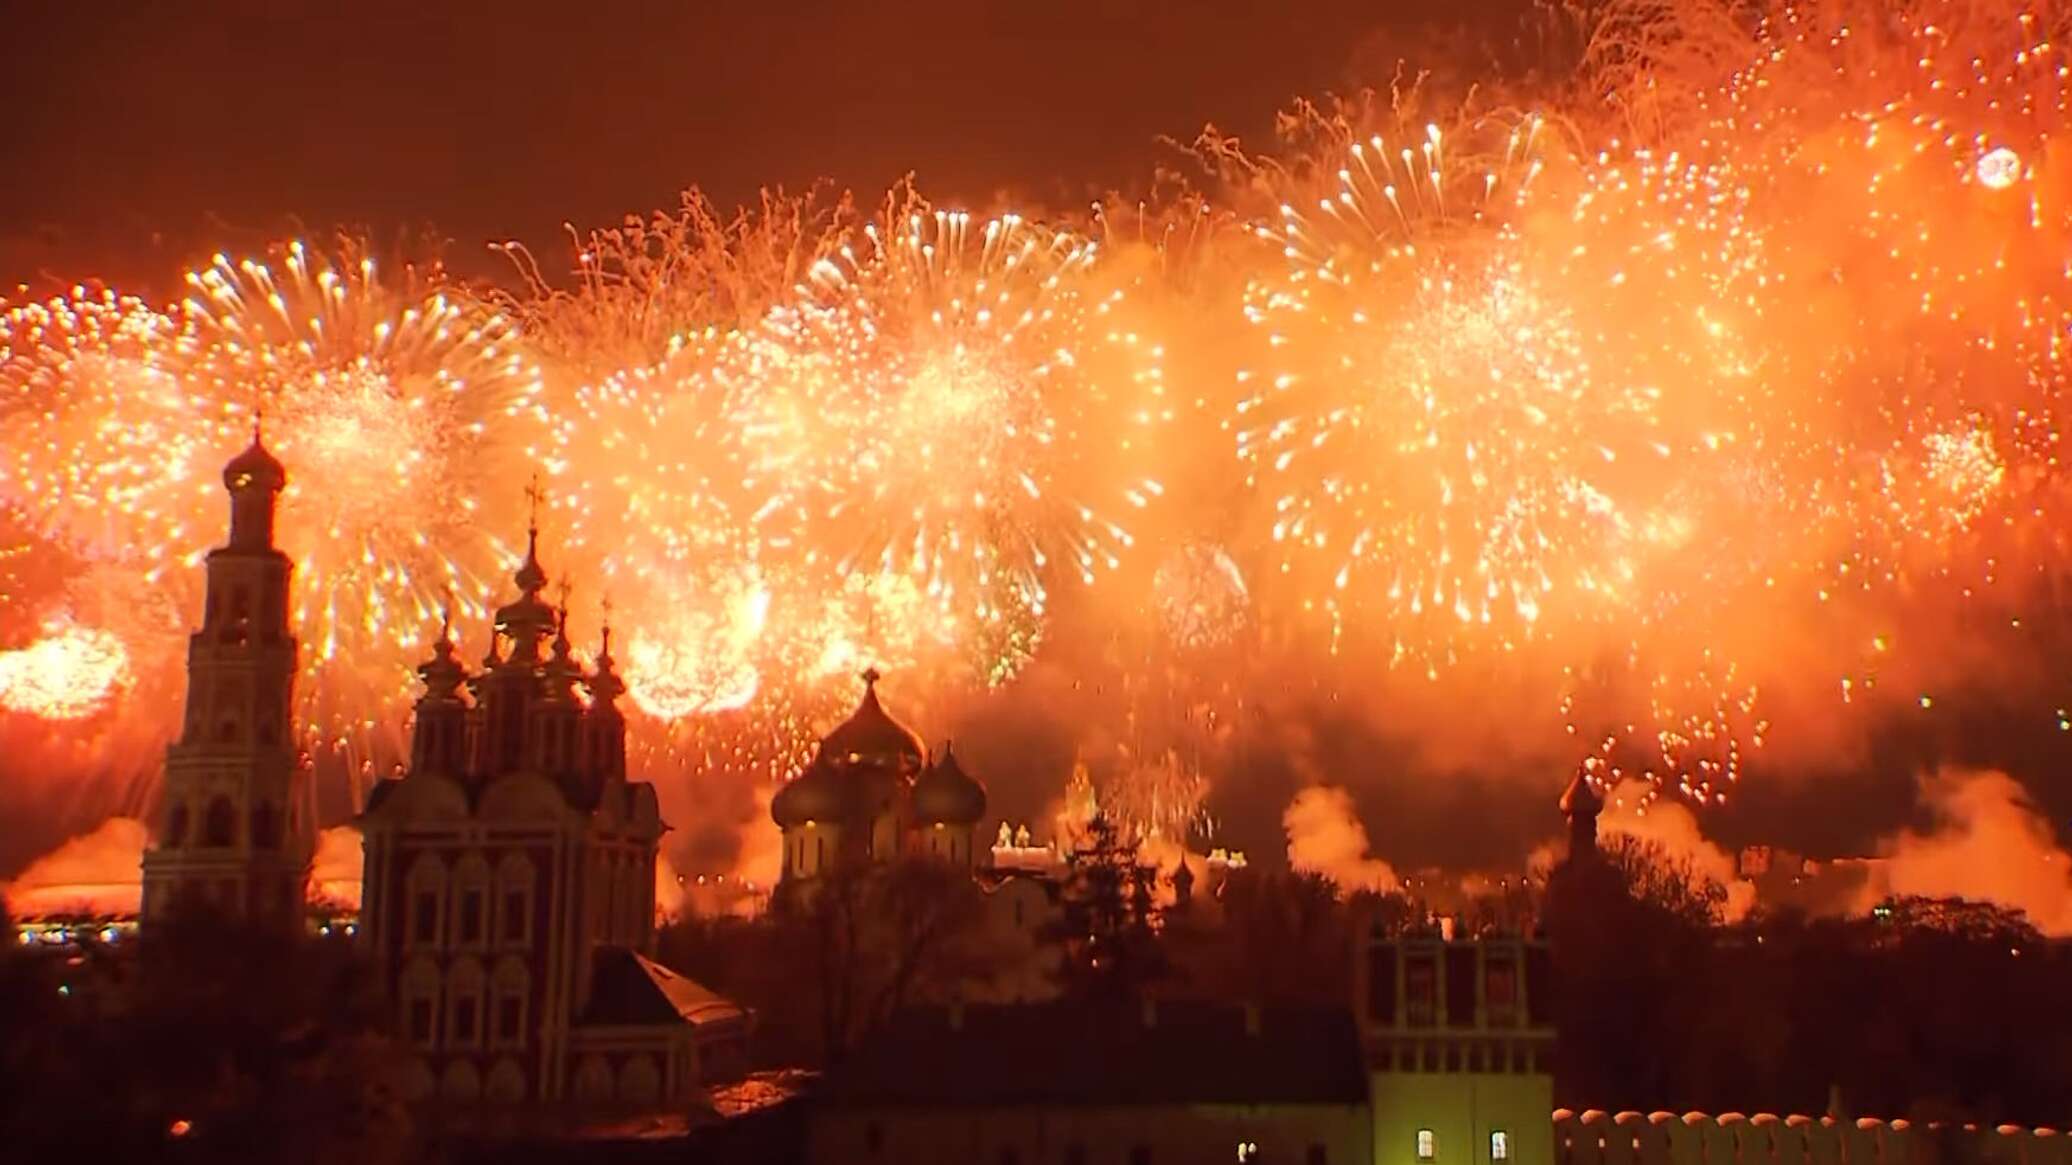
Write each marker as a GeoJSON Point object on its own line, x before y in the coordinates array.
{"type": "Point", "coordinates": [604, 727]}
{"type": "Point", "coordinates": [528, 619]}
{"type": "Point", "coordinates": [1581, 805]}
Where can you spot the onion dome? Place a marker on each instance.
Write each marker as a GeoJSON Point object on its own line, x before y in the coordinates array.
{"type": "Point", "coordinates": [562, 673]}
{"type": "Point", "coordinates": [814, 795]}
{"type": "Point", "coordinates": [528, 618]}
{"type": "Point", "coordinates": [871, 736]}
{"type": "Point", "coordinates": [604, 685]}
{"type": "Point", "coordinates": [443, 673]}
{"type": "Point", "coordinates": [946, 793]}
{"type": "Point", "coordinates": [255, 467]}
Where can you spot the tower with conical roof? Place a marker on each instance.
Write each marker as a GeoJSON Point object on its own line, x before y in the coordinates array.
{"type": "Point", "coordinates": [236, 829]}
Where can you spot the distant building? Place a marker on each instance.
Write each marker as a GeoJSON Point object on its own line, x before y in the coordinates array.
{"type": "Point", "coordinates": [1787, 881]}
{"type": "Point", "coordinates": [509, 896]}
{"type": "Point", "coordinates": [1076, 1085]}
{"type": "Point", "coordinates": [871, 796]}
{"type": "Point", "coordinates": [236, 829]}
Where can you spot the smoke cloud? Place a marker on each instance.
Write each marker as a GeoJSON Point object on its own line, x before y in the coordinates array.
{"type": "Point", "coordinates": [1672, 826]}
{"type": "Point", "coordinates": [96, 873]}
{"type": "Point", "coordinates": [1990, 843]}
{"type": "Point", "coordinates": [335, 873]}
{"type": "Point", "coordinates": [1325, 837]}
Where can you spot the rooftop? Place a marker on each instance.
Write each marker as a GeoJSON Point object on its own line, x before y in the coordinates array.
{"type": "Point", "coordinates": [1071, 1054]}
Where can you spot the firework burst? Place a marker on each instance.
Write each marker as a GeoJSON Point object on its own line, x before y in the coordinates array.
{"type": "Point", "coordinates": [947, 399]}
{"type": "Point", "coordinates": [1427, 428]}
{"type": "Point", "coordinates": [407, 417]}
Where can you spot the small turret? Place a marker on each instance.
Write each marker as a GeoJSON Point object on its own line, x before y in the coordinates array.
{"type": "Point", "coordinates": [604, 726]}
{"type": "Point", "coordinates": [557, 714]}
{"type": "Point", "coordinates": [438, 740]}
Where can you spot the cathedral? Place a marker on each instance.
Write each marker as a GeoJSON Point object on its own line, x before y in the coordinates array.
{"type": "Point", "coordinates": [236, 829]}
{"type": "Point", "coordinates": [871, 796]}
{"type": "Point", "coordinates": [509, 901]}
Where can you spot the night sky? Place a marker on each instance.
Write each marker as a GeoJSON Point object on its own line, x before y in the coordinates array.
{"type": "Point", "coordinates": [143, 136]}
{"type": "Point", "coordinates": [168, 127]}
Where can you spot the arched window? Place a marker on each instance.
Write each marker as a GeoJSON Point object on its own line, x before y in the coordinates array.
{"type": "Point", "coordinates": [514, 881]}
{"type": "Point", "coordinates": [219, 825]}
{"type": "Point", "coordinates": [271, 612]}
{"type": "Point", "coordinates": [238, 626]}
{"type": "Point", "coordinates": [176, 825]}
{"type": "Point", "coordinates": [1427, 1145]}
{"type": "Point", "coordinates": [510, 995]}
{"type": "Point", "coordinates": [419, 992]}
{"type": "Point", "coordinates": [266, 826]}
{"type": "Point", "coordinates": [425, 896]}
{"type": "Point", "coordinates": [464, 990]}
{"type": "Point", "coordinates": [1499, 1145]}
{"type": "Point", "coordinates": [471, 901]}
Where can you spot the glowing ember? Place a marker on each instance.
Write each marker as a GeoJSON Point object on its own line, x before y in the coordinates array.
{"type": "Point", "coordinates": [1999, 168]}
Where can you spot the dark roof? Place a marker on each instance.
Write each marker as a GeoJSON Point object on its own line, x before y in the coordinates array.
{"type": "Point", "coordinates": [945, 792]}
{"type": "Point", "coordinates": [626, 988]}
{"type": "Point", "coordinates": [1071, 1054]}
{"type": "Point", "coordinates": [870, 733]}
{"type": "Point", "coordinates": [255, 466]}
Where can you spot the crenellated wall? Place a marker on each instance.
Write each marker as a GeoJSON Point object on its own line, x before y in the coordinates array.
{"type": "Point", "coordinates": [1629, 1138]}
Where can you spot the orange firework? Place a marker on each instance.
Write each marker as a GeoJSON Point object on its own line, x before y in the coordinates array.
{"type": "Point", "coordinates": [406, 414]}
{"type": "Point", "coordinates": [956, 403]}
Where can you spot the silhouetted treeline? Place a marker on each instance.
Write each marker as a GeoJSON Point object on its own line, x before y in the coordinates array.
{"type": "Point", "coordinates": [198, 1041]}
{"type": "Point", "coordinates": [1927, 1010]}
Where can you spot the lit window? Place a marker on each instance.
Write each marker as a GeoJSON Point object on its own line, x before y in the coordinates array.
{"type": "Point", "coordinates": [1500, 1146]}
{"type": "Point", "coordinates": [1427, 1145]}
{"type": "Point", "coordinates": [1247, 1151]}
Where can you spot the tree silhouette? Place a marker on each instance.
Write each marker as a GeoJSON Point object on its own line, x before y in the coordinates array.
{"type": "Point", "coordinates": [1105, 919]}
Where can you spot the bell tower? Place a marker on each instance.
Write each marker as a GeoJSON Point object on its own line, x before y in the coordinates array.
{"type": "Point", "coordinates": [236, 830]}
